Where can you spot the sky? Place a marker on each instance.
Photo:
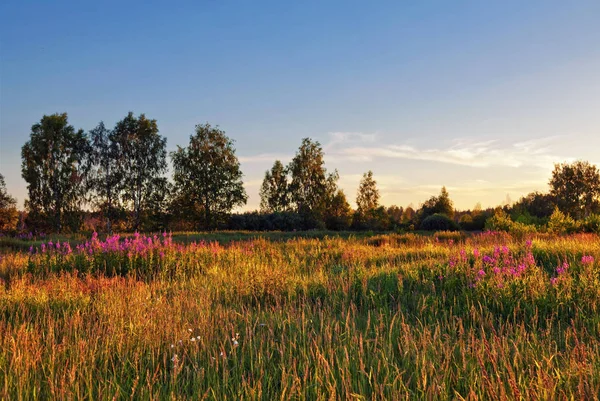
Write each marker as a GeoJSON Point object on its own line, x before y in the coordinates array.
{"type": "Point", "coordinates": [482, 97]}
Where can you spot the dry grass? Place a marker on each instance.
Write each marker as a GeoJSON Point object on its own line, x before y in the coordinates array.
{"type": "Point", "coordinates": [389, 317]}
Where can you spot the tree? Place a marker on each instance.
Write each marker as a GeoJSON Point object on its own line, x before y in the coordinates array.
{"type": "Point", "coordinates": [143, 161]}
{"type": "Point", "coordinates": [207, 174]}
{"type": "Point", "coordinates": [576, 188]}
{"type": "Point", "coordinates": [106, 178]}
{"type": "Point", "coordinates": [367, 197]}
{"type": "Point", "coordinates": [338, 214]}
{"type": "Point", "coordinates": [8, 209]}
{"type": "Point", "coordinates": [437, 205]}
{"type": "Point", "coordinates": [274, 195]}
{"type": "Point", "coordinates": [394, 214]}
{"type": "Point", "coordinates": [55, 167]}
{"type": "Point", "coordinates": [310, 186]}
{"type": "Point", "coordinates": [536, 204]}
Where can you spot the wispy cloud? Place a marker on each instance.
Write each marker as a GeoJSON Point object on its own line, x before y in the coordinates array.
{"type": "Point", "coordinates": [265, 158]}
{"type": "Point", "coordinates": [462, 152]}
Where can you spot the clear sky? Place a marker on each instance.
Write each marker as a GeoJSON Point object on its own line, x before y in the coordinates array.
{"type": "Point", "coordinates": [479, 96]}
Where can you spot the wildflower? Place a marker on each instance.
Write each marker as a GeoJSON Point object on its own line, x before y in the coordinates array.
{"type": "Point", "coordinates": [172, 345]}
{"type": "Point", "coordinates": [175, 359]}
{"type": "Point", "coordinates": [553, 280]}
{"type": "Point", "coordinates": [488, 259]}
{"type": "Point", "coordinates": [193, 339]}
{"type": "Point", "coordinates": [481, 273]}
{"type": "Point", "coordinates": [587, 260]}
{"type": "Point", "coordinates": [198, 338]}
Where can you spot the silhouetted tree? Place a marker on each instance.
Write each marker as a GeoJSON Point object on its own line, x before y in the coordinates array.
{"type": "Point", "coordinates": [55, 168]}
{"type": "Point", "coordinates": [143, 161]}
{"type": "Point", "coordinates": [207, 175]}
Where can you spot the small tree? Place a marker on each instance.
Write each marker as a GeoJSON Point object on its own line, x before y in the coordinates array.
{"type": "Point", "coordinates": [207, 175]}
{"type": "Point", "coordinates": [274, 194]}
{"type": "Point", "coordinates": [9, 215]}
{"type": "Point", "coordinates": [367, 197]}
{"type": "Point", "coordinates": [55, 167]}
{"type": "Point", "coordinates": [338, 214]}
{"type": "Point", "coordinates": [576, 188]}
{"type": "Point", "coordinates": [441, 204]}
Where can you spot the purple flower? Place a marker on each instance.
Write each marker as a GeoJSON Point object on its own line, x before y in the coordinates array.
{"type": "Point", "coordinates": [587, 260]}
{"type": "Point", "coordinates": [481, 272]}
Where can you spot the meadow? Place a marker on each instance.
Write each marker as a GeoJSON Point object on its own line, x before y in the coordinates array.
{"type": "Point", "coordinates": [316, 317]}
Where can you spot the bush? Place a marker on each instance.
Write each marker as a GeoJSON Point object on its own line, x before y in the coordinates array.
{"type": "Point", "coordinates": [591, 224]}
{"type": "Point", "coordinates": [561, 223]}
{"type": "Point", "coordinates": [439, 222]}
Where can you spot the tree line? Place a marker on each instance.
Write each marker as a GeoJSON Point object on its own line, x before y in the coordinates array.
{"type": "Point", "coordinates": [115, 180]}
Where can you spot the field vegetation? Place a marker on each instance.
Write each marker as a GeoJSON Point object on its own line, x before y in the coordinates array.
{"type": "Point", "coordinates": [236, 316]}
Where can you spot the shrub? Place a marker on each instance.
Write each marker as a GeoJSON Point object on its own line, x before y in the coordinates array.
{"type": "Point", "coordinates": [591, 224]}
{"type": "Point", "coordinates": [561, 223]}
{"type": "Point", "coordinates": [439, 222]}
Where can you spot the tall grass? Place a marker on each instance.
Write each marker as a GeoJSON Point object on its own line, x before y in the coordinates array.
{"type": "Point", "coordinates": [385, 317]}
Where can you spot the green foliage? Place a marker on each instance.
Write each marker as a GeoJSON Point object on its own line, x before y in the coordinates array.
{"type": "Point", "coordinates": [438, 222]}
{"type": "Point", "coordinates": [142, 160]}
{"type": "Point", "coordinates": [561, 223]}
{"type": "Point", "coordinates": [207, 176]}
{"type": "Point", "coordinates": [534, 205]}
{"type": "Point", "coordinates": [8, 209]}
{"type": "Point", "coordinates": [501, 221]}
{"type": "Point", "coordinates": [55, 165]}
{"type": "Point", "coordinates": [338, 214]}
{"type": "Point", "coordinates": [274, 193]}
{"type": "Point", "coordinates": [441, 204]}
{"type": "Point", "coordinates": [106, 177]}
{"type": "Point", "coordinates": [311, 187]}
{"type": "Point", "coordinates": [576, 188]}
{"type": "Point", "coordinates": [591, 224]}
{"type": "Point", "coordinates": [367, 197]}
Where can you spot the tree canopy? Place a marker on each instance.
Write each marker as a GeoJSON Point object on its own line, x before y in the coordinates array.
{"type": "Point", "coordinates": [367, 197]}
{"type": "Point", "coordinates": [207, 176]}
{"type": "Point", "coordinates": [8, 208]}
{"type": "Point", "coordinates": [143, 161]}
{"type": "Point", "coordinates": [55, 167]}
{"type": "Point", "coordinates": [274, 191]}
{"type": "Point", "coordinates": [576, 188]}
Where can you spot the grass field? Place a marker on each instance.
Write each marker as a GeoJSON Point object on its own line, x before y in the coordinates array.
{"type": "Point", "coordinates": [281, 317]}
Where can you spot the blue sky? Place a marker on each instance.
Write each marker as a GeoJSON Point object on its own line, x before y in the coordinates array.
{"type": "Point", "coordinates": [480, 96]}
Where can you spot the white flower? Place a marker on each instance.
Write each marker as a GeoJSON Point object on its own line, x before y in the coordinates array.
{"type": "Point", "coordinates": [190, 330]}
{"type": "Point", "coordinates": [235, 343]}
{"type": "Point", "coordinates": [175, 358]}
{"type": "Point", "coordinates": [172, 345]}
{"type": "Point", "coordinates": [192, 339]}
{"type": "Point", "coordinates": [198, 338]}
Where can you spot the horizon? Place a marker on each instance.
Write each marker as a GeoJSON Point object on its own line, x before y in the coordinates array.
{"type": "Point", "coordinates": [480, 98]}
